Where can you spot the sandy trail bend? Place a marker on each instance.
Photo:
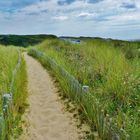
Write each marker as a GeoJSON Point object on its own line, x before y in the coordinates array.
{"type": "Point", "coordinates": [47, 120]}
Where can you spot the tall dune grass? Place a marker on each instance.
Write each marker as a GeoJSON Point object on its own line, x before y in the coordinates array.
{"type": "Point", "coordinates": [8, 60]}
{"type": "Point", "coordinates": [113, 78]}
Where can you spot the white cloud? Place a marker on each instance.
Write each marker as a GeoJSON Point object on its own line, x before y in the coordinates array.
{"type": "Point", "coordinates": [60, 18]}
{"type": "Point", "coordinates": [126, 17]}
{"type": "Point", "coordinates": [86, 14]}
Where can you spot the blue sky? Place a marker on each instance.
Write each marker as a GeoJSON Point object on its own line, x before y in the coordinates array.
{"type": "Point", "coordinates": [104, 18]}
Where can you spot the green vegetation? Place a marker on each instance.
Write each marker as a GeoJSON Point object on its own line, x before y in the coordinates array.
{"type": "Point", "coordinates": [12, 84]}
{"type": "Point", "coordinates": [23, 40]}
{"type": "Point", "coordinates": [111, 70]}
{"type": "Point", "coordinates": [8, 61]}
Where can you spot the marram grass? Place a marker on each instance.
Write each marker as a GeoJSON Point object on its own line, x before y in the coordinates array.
{"type": "Point", "coordinates": [9, 57]}
{"type": "Point", "coordinates": [114, 81]}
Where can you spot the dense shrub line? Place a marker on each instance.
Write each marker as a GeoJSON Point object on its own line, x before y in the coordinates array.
{"type": "Point", "coordinates": [23, 40]}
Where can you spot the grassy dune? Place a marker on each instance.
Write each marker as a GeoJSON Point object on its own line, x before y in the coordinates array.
{"type": "Point", "coordinates": [9, 57]}
{"type": "Point", "coordinates": [113, 75]}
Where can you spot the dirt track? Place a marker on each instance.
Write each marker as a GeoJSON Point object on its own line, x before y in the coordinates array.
{"type": "Point", "coordinates": [46, 117]}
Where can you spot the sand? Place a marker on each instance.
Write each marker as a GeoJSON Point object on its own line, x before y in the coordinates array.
{"type": "Point", "coordinates": [46, 118]}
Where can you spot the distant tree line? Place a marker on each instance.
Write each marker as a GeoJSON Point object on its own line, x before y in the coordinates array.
{"type": "Point", "coordinates": [23, 40]}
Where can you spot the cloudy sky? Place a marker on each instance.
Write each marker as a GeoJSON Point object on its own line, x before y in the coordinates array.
{"type": "Point", "coordinates": [104, 18]}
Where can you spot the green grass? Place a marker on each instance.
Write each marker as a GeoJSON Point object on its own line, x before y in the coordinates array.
{"type": "Point", "coordinates": [8, 60]}
{"type": "Point", "coordinates": [113, 78]}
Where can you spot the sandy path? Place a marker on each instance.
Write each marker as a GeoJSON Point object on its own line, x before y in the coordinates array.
{"type": "Point", "coordinates": [47, 120]}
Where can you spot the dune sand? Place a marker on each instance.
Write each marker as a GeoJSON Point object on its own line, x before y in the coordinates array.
{"type": "Point", "coordinates": [46, 117]}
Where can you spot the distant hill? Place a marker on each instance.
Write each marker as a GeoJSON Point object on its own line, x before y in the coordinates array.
{"type": "Point", "coordinates": [81, 37]}
{"type": "Point", "coordinates": [23, 40]}
{"type": "Point", "coordinates": [87, 38]}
